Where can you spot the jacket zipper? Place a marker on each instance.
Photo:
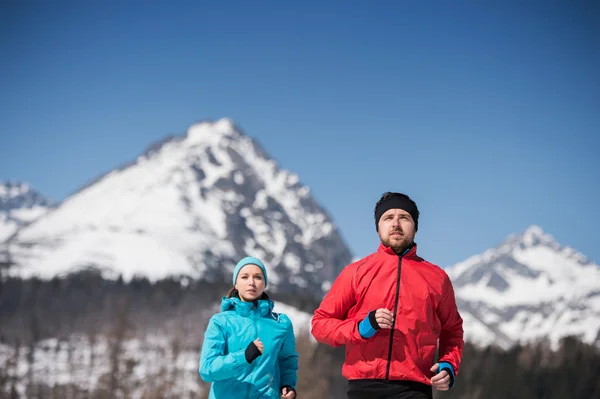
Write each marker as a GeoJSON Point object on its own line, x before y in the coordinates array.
{"type": "Point", "coordinates": [254, 324]}
{"type": "Point", "coordinates": [387, 369]}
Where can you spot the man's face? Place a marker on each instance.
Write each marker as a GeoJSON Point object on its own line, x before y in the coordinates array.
{"type": "Point", "coordinates": [397, 229]}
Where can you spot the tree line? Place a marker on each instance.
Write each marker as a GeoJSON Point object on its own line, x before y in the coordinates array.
{"type": "Point", "coordinates": [85, 303]}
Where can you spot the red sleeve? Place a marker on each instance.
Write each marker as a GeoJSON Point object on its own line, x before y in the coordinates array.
{"type": "Point", "coordinates": [329, 323]}
{"type": "Point", "coordinates": [451, 336]}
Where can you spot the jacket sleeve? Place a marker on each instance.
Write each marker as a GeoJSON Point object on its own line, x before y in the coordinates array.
{"type": "Point", "coordinates": [288, 359]}
{"type": "Point", "coordinates": [215, 364]}
{"type": "Point", "coordinates": [329, 323]}
{"type": "Point", "coordinates": [451, 335]}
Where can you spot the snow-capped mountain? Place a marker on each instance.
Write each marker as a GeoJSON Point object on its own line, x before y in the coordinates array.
{"type": "Point", "coordinates": [19, 205]}
{"type": "Point", "coordinates": [190, 205]}
{"type": "Point", "coordinates": [193, 205]}
{"type": "Point", "coordinates": [529, 287]}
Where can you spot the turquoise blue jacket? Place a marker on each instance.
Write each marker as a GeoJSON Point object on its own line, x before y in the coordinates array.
{"type": "Point", "coordinates": [223, 361]}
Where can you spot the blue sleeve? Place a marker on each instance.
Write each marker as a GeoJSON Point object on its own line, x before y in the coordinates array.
{"type": "Point", "coordinates": [365, 327]}
{"type": "Point", "coordinates": [288, 359]}
{"type": "Point", "coordinates": [447, 366]}
{"type": "Point", "coordinates": [215, 365]}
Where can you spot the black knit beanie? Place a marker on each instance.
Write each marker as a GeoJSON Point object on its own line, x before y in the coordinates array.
{"type": "Point", "coordinates": [397, 201]}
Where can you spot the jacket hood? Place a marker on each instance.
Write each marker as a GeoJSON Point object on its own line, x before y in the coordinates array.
{"type": "Point", "coordinates": [263, 306]}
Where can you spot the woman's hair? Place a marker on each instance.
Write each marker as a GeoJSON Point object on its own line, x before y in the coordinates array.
{"type": "Point", "coordinates": [233, 292]}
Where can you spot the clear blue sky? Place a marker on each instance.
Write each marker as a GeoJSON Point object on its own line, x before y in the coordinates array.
{"type": "Point", "coordinates": [487, 113]}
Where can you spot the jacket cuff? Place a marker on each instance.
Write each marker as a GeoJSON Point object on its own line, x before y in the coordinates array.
{"type": "Point", "coordinates": [368, 327]}
{"type": "Point", "coordinates": [447, 366]}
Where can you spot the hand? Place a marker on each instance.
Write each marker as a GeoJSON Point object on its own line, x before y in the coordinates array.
{"type": "Point", "coordinates": [384, 318]}
{"type": "Point", "coordinates": [440, 381]}
{"type": "Point", "coordinates": [259, 345]}
{"type": "Point", "coordinates": [287, 393]}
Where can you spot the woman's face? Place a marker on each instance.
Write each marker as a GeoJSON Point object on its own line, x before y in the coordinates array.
{"type": "Point", "coordinates": [250, 283]}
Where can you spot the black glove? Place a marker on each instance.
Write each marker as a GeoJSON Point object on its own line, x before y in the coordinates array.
{"type": "Point", "coordinates": [289, 389]}
{"type": "Point", "coordinates": [252, 352]}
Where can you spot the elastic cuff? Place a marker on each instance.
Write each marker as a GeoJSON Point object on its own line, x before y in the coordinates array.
{"type": "Point", "coordinates": [447, 366]}
{"type": "Point", "coordinates": [373, 320]}
{"type": "Point", "coordinates": [252, 352]}
{"type": "Point", "coordinates": [368, 327]}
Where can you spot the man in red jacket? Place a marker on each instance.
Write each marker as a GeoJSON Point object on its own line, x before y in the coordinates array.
{"type": "Point", "coordinates": [390, 309]}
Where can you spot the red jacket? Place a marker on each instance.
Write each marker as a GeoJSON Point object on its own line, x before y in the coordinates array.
{"type": "Point", "coordinates": [421, 296]}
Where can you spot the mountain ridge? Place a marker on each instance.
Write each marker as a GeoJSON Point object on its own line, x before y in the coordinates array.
{"type": "Point", "coordinates": [195, 205]}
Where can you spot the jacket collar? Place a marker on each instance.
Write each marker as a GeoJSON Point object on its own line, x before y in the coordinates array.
{"type": "Point", "coordinates": [263, 307]}
{"type": "Point", "coordinates": [410, 253]}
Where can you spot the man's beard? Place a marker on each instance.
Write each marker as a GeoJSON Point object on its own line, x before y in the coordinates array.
{"type": "Point", "coordinates": [399, 247]}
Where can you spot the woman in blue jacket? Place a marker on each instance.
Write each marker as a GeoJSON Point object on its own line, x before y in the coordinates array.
{"type": "Point", "coordinates": [248, 350]}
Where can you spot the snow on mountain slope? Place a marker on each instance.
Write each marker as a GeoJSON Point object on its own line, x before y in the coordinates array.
{"type": "Point", "coordinates": [528, 288]}
{"type": "Point", "coordinates": [190, 205]}
{"type": "Point", "coordinates": [19, 205]}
